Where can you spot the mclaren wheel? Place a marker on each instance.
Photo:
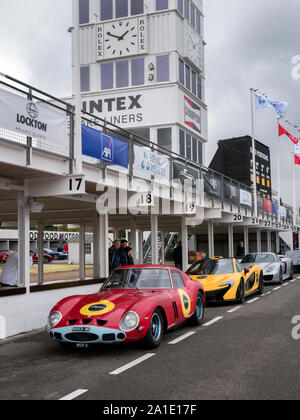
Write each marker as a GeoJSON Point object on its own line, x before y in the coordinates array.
{"type": "Point", "coordinates": [198, 315]}
{"type": "Point", "coordinates": [240, 296]}
{"type": "Point", "coordinates": [261, 284]}
{"type": "Point", "coordinates": [155, 331]}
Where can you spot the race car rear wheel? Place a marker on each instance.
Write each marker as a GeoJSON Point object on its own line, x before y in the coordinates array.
{"type": "Point", "coordinates": [240, 295]}
{"type": "Point", "coordinates": [198, 315]}
{"type": "Point", "coordinates": [155, 331]}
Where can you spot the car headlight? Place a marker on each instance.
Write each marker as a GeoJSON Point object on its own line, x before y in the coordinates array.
{"type": "Point", "coordinates": [129, 321]}
{"type": "Point", "coordinates": [271, 268]}
{"type": "Point", "coordinates": [230, 283]}
{"type": "Point", "coordinates": [54, 318]}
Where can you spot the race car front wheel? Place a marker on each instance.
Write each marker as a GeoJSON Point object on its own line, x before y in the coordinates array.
{"type": "Point", "coordinates": [155, 332]}
{"type": "Point", "coordinates": [240, 296]}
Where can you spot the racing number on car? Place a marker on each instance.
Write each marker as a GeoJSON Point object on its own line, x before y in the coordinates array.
{"type": "Point", "coordinates": [97, 308]}
{"type": "Point", "coordinates": [185, 302]}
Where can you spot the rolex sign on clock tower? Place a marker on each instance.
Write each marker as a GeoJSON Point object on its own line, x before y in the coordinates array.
{"type": "Point", "coordinates": [121, 38]}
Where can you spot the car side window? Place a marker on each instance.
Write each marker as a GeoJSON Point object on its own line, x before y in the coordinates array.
{"type": "Point", "coordinates": [178, 281]}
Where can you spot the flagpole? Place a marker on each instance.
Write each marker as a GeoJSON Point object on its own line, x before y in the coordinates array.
{"type": "Point", "coordinates": [278, 168]}
{"type": "Point", "coordinates": [253, 153]}
{"type": "Point", "coordinates": [294, 189]}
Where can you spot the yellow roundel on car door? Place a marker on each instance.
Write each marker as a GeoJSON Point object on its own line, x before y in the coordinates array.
{"type": "Point", "coordinates": [185, 302]}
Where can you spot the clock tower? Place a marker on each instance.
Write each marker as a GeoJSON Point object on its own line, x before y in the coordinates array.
{"type": "Point", "coordinates": [142, 68]}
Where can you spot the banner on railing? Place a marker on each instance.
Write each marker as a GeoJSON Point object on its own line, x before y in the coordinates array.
{"type": "Point", "coordinates": [275, 209]}
{"type": "Point", "coordinates": [267, 206]}
{"type": "Point", "coordinates": [100, 146]}
{"type": "Point", "coordinates": [183, 173]}
{"type": "Point", "coordinates": [212, 185]}
{"type": "Point", "coordinates": [283, 212]}
{"type": "Point", "coordinates": [32, 119]}
{"type": "Point", "coordinates": [245, 198]}
{"type": "Point", "coordinates": [231, 192]}
{"type": "Point", "coordinates": [147, 164]}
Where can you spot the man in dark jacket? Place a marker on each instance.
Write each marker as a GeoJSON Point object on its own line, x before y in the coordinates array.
{"type": "Point", "coordinates": [177, 255]}
{"type": "Point", "coordinates": [123, 253]}
{"type": "Point", "coordinates": [114, 255]}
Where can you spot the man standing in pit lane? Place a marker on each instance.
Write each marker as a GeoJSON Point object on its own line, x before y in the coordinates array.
{"type": "Point", "coordinates": [10, 273]}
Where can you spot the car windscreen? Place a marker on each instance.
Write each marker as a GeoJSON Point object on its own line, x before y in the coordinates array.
{"type": "Point", "coordinates": [293, 254]}
{"type": "Point", "coordinates": [258, 259]}
{"type": "Point", "coordinates": [139, 278]}
{"type": "Point", "coordinates": [211, 267]}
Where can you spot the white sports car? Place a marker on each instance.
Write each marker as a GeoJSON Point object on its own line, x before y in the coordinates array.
{"type": "Point", "coordinates": [276, 268]}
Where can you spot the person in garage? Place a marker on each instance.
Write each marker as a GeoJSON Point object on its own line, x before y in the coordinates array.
{"type": "Point", "coordinates": [10, 273]}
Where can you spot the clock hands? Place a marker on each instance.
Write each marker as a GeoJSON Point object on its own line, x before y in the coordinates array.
{"type": "Point", "coordinates": [119, 38]}
{"type": "Point", "coordinates": [110, 34]}
{"type": "Point", "coordinates": [122, 37]}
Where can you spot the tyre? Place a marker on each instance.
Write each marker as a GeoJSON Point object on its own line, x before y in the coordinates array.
{"type": "Point", "coordinates": [198, 315]}
{"type": "Point", "coordinates": [291, 273]}
{"type": "Point", "coordinates": [280, 276]}
{"type": "Point", "coordinates": [155, 332]}
{"type": "Point", "coordinates": [56, 257]}
{"type": "Point", "coordinates": [261, 284]}
{"type": "Point", "coordinates": [240, 296]}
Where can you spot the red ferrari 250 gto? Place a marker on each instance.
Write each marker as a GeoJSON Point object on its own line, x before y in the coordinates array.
{"type": "Point", "coordinates": [136, 303]}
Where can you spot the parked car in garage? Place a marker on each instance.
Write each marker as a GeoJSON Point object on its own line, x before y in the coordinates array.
{"type": "Point", "coordinates": [47, 258]}
{"type": "Point", "coordinates": [4, 255]}
{"type": "Point", "coordinates": [276, 268]}
{"type": "Point", "coordinates": [136, 303]}
{"type": "Point", "coordinates": [295, 257]}
{"type": "Point", "coordinates": [56, 256]}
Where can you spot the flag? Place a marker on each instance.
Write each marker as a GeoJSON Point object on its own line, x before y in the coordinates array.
{"type": "Point", "coordinates": [297, 154]}
{"type": "Point", "coordinates": [262, 101]}
{"type": "Point", "coordinates": [283, 131]}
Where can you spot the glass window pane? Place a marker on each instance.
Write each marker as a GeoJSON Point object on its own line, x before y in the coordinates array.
{"type": "Point", "coordinates": [84, 11]}
{"type": "Point", "coordinates": [162, 66]}
{"type": "Point", "coordinates": [187, 77]}
{"type": "Point", "coordinates": [187, 9]}
{"type": "Point", "coordinates": [188, 147]}
{"type": "Point", "coordinates": [107, 76]}
{"type": "Point", "coordinates": [200, 153]}
{"type": "Point", "coordinates": [181, 72]}
{"type": "Point", "coordinates": [193, 15]}
{"type": "Point", "coordinates": [164, 138]}
{"type": "Point", "coordinates": [122, 74]}
{"type": "Point", "coordinates": [180, 6]}
{"type": "Point", "coordinates": [195, 147]}
{"type": "Point", "coordinates": [181, 143]}
{"type": "Point", "coordinates": [162, 4]}
{"type": "Point", "coordinates": [198, 24]}
{"type": "Point", "coordinates": [84, 79]}
{"type": "Point", "coordinates": [199, 87]}
{"type": "Point", "coordinates": [194, 84]}
{"type": "Point", "coordinates": [137, 7]}
{"type": "Point", "coordinates": [137, 71]}
{"type": "Point", "coordinates": [106, 9]}
{"type": "Point", "coordinates": [121, 8]}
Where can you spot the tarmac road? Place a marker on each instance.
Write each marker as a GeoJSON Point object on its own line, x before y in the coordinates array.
{"type": "Point", "coordinates": [241, 352]}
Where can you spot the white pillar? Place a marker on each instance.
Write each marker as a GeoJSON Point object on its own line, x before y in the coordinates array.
{"type": "Point", "coordinates": [154, 233]}
{"type": "Point", "coordinates": [103, 245]}
{"type": "Point", "coordinates": [141, 247]}
{"type": "Point", "coordinates": [96, 251]}
{"type": "Point", "coordinates": [162, 247]}
{"type": "Point", "coordinates": [40, 246]}
{"type": "Point", "coordinates": [184, 240]}
{"type": "Point", "coordinates": [211, 245]}
{"type": "Point", "coordinates": [82, 252]}
{"type": "Point", "coordinates": [258, 239]}
{"type": "Point", "coordinates": [23, 242]}
{"type": "Point", "coordinates": [230, 241]}
{"type": "Point", "coordinates": [133, 241]}
{"type": "Point", "coordinates": [246, 239]}
{"type": "Point", "coordinates": [277, 243]}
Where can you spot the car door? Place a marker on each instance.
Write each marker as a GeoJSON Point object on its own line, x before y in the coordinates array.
{"type": "Point", "coordinates": [181, 299]}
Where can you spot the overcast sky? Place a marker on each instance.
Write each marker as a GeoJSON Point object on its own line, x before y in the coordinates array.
{"type": "Point", "coordinates": [250, 43]}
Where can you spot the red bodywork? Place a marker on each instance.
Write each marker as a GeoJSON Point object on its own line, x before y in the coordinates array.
{"type": "Point", "coordinates": [4, 255]}
{"type": "Point", "coordinates": [35, 258]}
{"type": "Point", "coordinates": [142, 301]}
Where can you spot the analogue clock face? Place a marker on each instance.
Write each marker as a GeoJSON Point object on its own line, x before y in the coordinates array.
{"type": "Point", "coordinates": [194, 47]}
{"type": "Point", "coordinates": [120, 38]}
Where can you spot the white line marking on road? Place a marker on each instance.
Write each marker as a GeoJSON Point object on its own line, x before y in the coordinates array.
{"type": "Point", "coordinates": [253, 300]}
{"type": "Point", "coordinates": [213, 321]}
{"type": "Point", "coordinates": [73, 395]}
{"type": "Point", "coordinates": [293, 281]}
{"type": "Point", "coordinates": [277, 288]}
{"type": "Point", "coordinates": [267, 294]}
{"type": "Point", "coordinates": [234, 309]}
{"type": "Point", "coordinates": [132, 364]}
{"type": "Point", "coordinates": [285, 284]}
{"type": "Point", "coordinates": [177, 340]}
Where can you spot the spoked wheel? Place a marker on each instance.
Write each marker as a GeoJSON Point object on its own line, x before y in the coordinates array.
{"type": "Point", "coordinates": [240, 296]}
{"type": "Point", "coordinates": [155, 331]}
{"type": "Point", "coordinates": [198, 315]}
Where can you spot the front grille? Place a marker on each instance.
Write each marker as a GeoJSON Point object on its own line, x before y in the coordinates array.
{"type": "Point", "coordinates": [216, 295]}
{"type": "Point", "coordinates": [81, 336]}
{"type": "Point", "coordinates": [108, 337]}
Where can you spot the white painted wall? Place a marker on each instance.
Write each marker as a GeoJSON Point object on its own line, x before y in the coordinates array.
{"type": "Point", "coordinates": [29, 312]}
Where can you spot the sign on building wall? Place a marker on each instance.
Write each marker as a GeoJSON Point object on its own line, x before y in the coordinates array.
{"type": "Point", "coordinates": [32, 119]}
{"type": "Point", "coordinates": [245, 198]}
{"type": "Point", "coordinates": [148, 164]}
{"type": "Point", "coordinates": [192, 114]}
